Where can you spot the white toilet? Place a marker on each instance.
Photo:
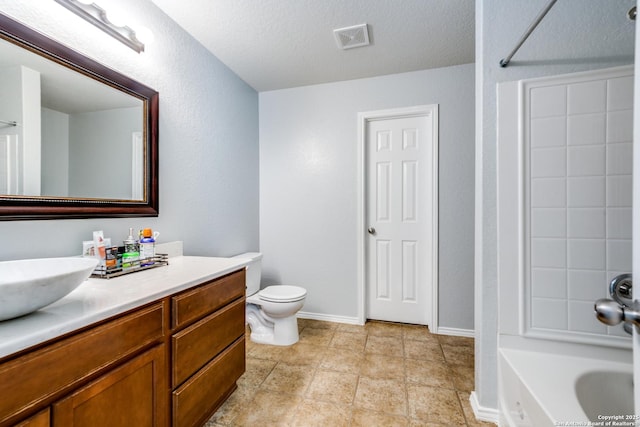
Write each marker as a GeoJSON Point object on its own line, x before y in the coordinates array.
{"type": "Point", "coordinates": [271, 312]}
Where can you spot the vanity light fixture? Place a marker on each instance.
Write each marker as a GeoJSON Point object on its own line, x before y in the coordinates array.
{"type": "Point", "coordinates": [99, 17]}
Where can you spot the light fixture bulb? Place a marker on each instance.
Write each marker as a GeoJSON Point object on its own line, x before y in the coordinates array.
{"type": "Point", "coordinates": [145, 35]}
{"type": "Point", "coordinates": [116, 18]}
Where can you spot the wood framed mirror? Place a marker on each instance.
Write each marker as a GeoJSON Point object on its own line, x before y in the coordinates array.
{"type": "Point", "coordinates": [77, 139]}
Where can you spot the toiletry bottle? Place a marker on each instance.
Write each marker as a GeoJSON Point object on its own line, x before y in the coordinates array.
{"type": "Point", "coordinates": [111, 260]}
{"type": "Point", "coordinates": [131, 256]}
{"type": "Point", "coordinates": [99, 247]}
{"type": "Point", "coordinates": [147, 247]}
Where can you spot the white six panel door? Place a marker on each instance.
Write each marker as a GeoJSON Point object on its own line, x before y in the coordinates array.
{"type": "Point", "coordinates": [400, 219]}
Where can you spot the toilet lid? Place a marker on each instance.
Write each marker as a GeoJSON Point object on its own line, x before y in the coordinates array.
{"type": "Point", "coordinates": [282, 293]}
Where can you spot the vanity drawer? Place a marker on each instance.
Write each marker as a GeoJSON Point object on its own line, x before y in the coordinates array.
{"type": "Point", "coordinates": [194, 346]}
{"type": "Point", "coordinates": [196, 399]}
{"type": "Point", "coordinates": [43, 374]}
{"type": "Point", "coordinates": [198, 302]}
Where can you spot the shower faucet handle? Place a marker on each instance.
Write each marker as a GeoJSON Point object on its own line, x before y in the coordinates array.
{"type": "Point", "coordinates": [621, 289]}
{"type": "Point", "coordinates": [612, 313]}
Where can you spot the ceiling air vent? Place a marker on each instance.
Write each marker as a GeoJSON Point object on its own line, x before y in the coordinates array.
{"type": "Point", "coordinates": [350, 37]}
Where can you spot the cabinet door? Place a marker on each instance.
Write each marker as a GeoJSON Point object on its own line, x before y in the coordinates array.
{"type": "Point", "coordinates": [41, 419]}
{"type": "Point", "coordinates": [134, 394]}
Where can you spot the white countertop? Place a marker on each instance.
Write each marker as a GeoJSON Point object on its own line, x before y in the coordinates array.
{"type": "Point", "coordinates": [99, 299]}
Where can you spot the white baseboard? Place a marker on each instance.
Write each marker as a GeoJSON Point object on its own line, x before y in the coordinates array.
{"type": "Point", "coordinates": [483, 413]}
{"type": "Point", "coordinates": [456, 332]}
{"type": "Point", "coordinates": [328, 318]}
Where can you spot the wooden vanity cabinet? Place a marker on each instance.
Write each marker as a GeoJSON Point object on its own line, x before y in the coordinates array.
{"type": "Point", "coordinates": [207, 347]}
{"type": "Point", "coordinates": [171, 362]}
{"type": "Point", "coordinates": [41, 419]}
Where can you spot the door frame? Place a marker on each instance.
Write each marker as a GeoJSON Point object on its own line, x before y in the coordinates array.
{"type": "Point", "coordinates": [363, 119]}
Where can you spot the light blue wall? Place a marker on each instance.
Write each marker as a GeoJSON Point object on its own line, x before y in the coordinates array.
{"type": "Point", "coordinates": [208, 138]}
{"type": "Point", "coordinates": [576, 35]}
{"type": "Point", "coordinates": [309, 184]}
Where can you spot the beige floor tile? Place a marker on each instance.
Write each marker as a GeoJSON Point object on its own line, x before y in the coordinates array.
{"type": "Point", "coordinates": [435, 405]}
{"type": "Point", "coordinates": [435, 374]}
{"type": "Point", "coordinates": [292, 379]}
{"type": "Point", "coordinates": [256, 372]}
{"type": "Point", "coordinates": [383, 367]}
{"type": "Point", "coordinates": [332, 386]}
{"type": "Point", "coordinates": [418, 333]}
{"type": "Point", "coordinates": [423, 350]}
{"type": "Point", "coordinates": [342, 360]}
{"type": "Point", "coordinates": [349, 340]}
{"type": "Point", "coordinates": [379, 374]}
{"type": "Point", "coordinates": [458, 354]}
{"type": "Point", "coordinates": [269, 409]}
{"type": "Point", "coordinates": [468, 412]}
{"type": "Point", "coordinates": [388, 396]}
{"type": "Point", "coordinates": [303, 354]}
{"type": "Point", "coordinates": [420, 423]}
{"type": "Point", "coordinates": [316, 336]}
{"type": "Point", "coordinates": [311, 413]}
{"type": "Point", "coordinates": [365, 418]}
{"type": "Point", "coordinates": [385, 329]}
{"type": "Point", "coordinates": [463, 377]}
{"type": "Point", "coordinates": [235, 405]}
{"type": "Point", "coordinates": [318, 324]}
{"type": "Point", "coordinates": [385, 345]}
{"type": "Point", "coordinates": [454, 340]}
{"type": "Point", "coordinates": [354, 329]}
{"type": "Point", "coordinates": [263, 351]}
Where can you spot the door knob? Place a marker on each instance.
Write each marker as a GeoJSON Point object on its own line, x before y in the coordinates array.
{"type": "Point", "coordinates": [371, 230]}
{"type": "Point", "coordinates": [611, 313]}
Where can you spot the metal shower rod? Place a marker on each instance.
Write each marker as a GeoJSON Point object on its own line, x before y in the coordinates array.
{"type": "Point", "coordinates": [505, 61]}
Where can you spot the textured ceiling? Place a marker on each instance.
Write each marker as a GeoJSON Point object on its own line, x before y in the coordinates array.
{"type": "Point", "coordinates": [276, 44]}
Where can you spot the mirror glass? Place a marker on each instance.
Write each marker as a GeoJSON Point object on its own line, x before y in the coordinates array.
{"type": "Point", "coordinates": [77, 139]}
{"type": "Point", "coordinates": [73, 136]}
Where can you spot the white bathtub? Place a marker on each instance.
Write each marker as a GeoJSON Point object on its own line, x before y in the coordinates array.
{"type": "Point", "coordinates": [542, 389]}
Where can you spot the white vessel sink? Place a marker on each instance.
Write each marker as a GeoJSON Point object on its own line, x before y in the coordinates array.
{"type": "Point", "coordinates": [30, 284]}
{"type": "Point", "coordinates": [605, 393]}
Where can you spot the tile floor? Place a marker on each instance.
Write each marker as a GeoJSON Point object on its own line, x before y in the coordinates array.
{"type": "Point", "coordinates": [379, 374]}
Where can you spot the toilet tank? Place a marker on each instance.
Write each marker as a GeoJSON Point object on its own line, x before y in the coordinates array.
{"type": "Point", "coordinates": [254, 271]}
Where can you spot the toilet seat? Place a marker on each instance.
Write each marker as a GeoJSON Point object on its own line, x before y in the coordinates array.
{"type": "Point", "coordinates": [282, 293]}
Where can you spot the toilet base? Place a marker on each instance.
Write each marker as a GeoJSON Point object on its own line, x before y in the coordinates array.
{"type": "Point", "coordinates": [273, 331]}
